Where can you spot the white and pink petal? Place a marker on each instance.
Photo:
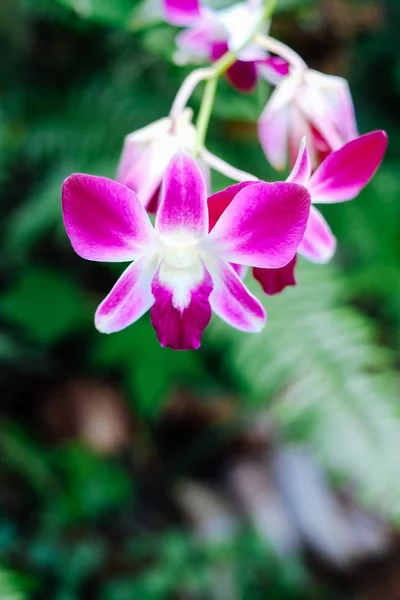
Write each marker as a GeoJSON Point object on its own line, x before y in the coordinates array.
{"type": "Point", "coordinates": [345, 172]}
{"type": "Point", "coordinates": [231, 300]}
{"type": "Point", "coordinates": [219, 201]}
{"type": "Point", "coordinates": [301, 171]}
{"type": "Point", "coordinates": [183, 199]}
{"type": "Point", "coordinates": [262, 226]}
{"type": "Point", "coordinates": [196, 43]}
{"type": "Point", "coordinates": [105, 220]}
{"type": "Point", "coordinates": [182, 12]}
{"type": "Point", "coordinates": [275, 121]}
{"type": "Point", "coordinates": [129, 299]}
{"type": "Point", "coordinates": [319, 243]}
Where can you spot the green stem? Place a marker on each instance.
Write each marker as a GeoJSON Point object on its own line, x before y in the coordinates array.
{"type": "Point", "coordinates": [218, 69]}
{"type": "Point", "coordinates": [207, 102]}
{"type": "Point", "coordinates": [270, 6]}
{"type": "Point", "coordinates": [206, 107]}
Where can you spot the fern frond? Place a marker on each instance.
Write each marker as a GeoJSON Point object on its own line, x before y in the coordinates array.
{"type": "Point", "coordinates": [327, 380]}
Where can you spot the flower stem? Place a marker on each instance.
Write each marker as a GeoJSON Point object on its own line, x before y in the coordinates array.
{"type": "Point", "coordinates": [186, 90]}
{"type": "Point", "coordinates": [269, 9]}
{"type": "Point", "coordinates": [218, 69]}
{"type": "Point", "coordinates": [207, 102]}
{"type": "Point", "coordinates": [220, 165]}
{"type": "Point", "coordinates": [206, 107]}
{"type": "Point", "coordinates": [272, 45]}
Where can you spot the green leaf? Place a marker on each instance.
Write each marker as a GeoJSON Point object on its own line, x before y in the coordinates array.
{"type": "Point", "coordinates": [13, 585]}
{"type": "Point", "coordinates": [94, 484]}
{"type": "Point", "coordinates": [22, 455]}
{"type": "Point", "coordinates": [151, 371]}
{"type": "Point", "coordinates": [46, 305]}
{"type": "Point", "coordinates": [109, 12]}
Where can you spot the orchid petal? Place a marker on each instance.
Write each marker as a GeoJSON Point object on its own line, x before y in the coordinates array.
{"type": "Point", "coordinates": [253, 4]}
{"type": "Point", "coordinates": [242, 74]}
{"type": "Point", "coordinates": [128, 300]}
{"type": "Point", "coordinates": [273, 281]}
{"type": "Point", "coordinates": [279, 65]}
{"type": "Point", "coordinates": [320, 147]}
{"type": "Point", "coordinates": [263, 225]}
{"type": "Point", "coordinates": [299, 129]}
{"type": "Point", "coordinates": [346, 171]}
{"type": "Point", "coordinates": [319, 243]}
{"type": "Point", "coordinates": [273, 125]}
{"type": "Point", "coordinates": [273, 132]}
{"type": "Point", "coordinates": [337, 97]}
{"type": "Point", "coordinates": [146, 167]}
{"type": "Point", "coordinates": [195, 43]}
{"type": "Point", "coordinates": [346, 118]}
{"type": "Point", "coordinates": [105, 220]}
{"type": "Point", "coordinates": [318, 112]}
{"type": "Point", "coordinates": [232, 302]}
{"type": "Point", "coordinates": [139, 143]}
{"type": "Point", "coordinates": [301, 171]}
{"type": "Point", "coordinates": [183, 202]}
{"type": "Point", "coordinates": [181, 329]}
{"type": "Point", "coordinates": [219, 201]}
{"type": "Point", "coordinates": [181, 12]}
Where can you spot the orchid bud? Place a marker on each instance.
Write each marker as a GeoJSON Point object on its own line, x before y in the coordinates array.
{"type": "Point", "coordinates": [148, 151]}
{"type": "Point", "coordinates": [307, 104]}
{"type": "Point", "coordinates": [209, 34]}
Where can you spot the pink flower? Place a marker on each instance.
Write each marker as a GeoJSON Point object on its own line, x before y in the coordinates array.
{"type": "Point", "coordinates": [307, 104]}
{"type": "Point", "coordinates": [210, 34]}
{"type": "Point", "coordinates": [147, 152]}
{"type": "Point", "coordinates": [181, 271]}
{"type": "Point", "coordinates": [340, 177]}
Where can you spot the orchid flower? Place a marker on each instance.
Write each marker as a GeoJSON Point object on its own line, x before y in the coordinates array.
{"type": "Point", "coordinates": [307, 104]}
{"type": "Point", "coordinates": [180, 270]}
{"type": "Point", "coordinates": [340, 177]}
{"type": "Point", "coordinates": [147, 152]}
{"type": "Point", "coordinates": [210, 34]}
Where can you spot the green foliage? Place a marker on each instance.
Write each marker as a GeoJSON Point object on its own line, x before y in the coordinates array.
{"type": "Point", "coordinates": [137, 352]}
{"type": "Point", "coordinates": [110, 12]}
{"type": "Point", "coordinates": [13, 586]}
{"type": "Point", "coordinates": [45, 305]}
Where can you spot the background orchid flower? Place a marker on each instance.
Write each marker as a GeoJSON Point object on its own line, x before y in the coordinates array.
{"type": "Point", "coordinates": [181, 271]}
{"type": "Point", "coordinates": [341, 177]}
{"type": "Point", "coordinates": [307, 104]}
{"type": "Point", "coordinates": [211, 33]}
{"type": "Point", "coordinates": [147, 152]}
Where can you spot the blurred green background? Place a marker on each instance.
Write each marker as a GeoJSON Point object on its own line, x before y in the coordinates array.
{"type": "Point", "coordinates": [258, 467]}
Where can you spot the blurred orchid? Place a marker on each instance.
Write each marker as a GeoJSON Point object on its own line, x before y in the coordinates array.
{"type": "Point", "coordinates": [147, 152]}
{"type": "Point", "coordinates": [340, 177]}
{"type": "Point", "coordinates": [181, 271]}
{"type": "Point", "coordinates": [210, 34]}
{"type": "Point", "coordinates": [307, 104]}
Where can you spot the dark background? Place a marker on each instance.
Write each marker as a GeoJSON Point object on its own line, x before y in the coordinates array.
{"type": "Point", "coordinates": [257, 467]}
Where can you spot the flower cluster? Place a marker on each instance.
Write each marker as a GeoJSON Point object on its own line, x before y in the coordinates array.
{"type": "Point", "coordinates": [192, 261]}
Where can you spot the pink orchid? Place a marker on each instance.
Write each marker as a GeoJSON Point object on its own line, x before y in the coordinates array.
{"type": "Point", "coordinates": [147, 152]}
{"type": "Point", "coordinates": [210, 34]}
{"type": "Point", "coordinates": [307, 104]}
{"type": "Point", "coordinates": [341, 177]}
{"type": "Point", "coordinates": [181, 271]}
